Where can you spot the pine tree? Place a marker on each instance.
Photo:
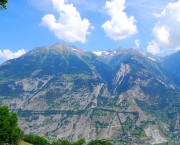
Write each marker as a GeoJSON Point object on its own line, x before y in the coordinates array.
{"type": "Point", "coordinates": [9, 131]}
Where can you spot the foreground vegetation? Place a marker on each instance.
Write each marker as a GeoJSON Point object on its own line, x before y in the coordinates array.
{"type": "Point", "coordinates": [9, 130]}
{"type": "Point", "coordinates": [36, 140]}
{"type": "Point", "coordinates": [24, 143]}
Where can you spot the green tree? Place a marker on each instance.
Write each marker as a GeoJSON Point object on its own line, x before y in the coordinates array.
{"type": "Point", "coordinates": [81, 141]}
{"type": "Point", "coordinates": [61, 142]}
{"type": "Point", "coordinates": [99, 142]}
{"type": "Point", "coordinates": [3, 4]}
{"type": "Point", "coordinates": [35, 140]}
{"type": "Point", "coordinates": [65, 142]}
{"type": "Point", "coordinates": [9, 130]}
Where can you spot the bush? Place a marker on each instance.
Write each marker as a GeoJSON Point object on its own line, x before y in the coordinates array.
{"type": "Point", "coordinates": [99, 142]}
{"type": "Point", "coordinates": [61, 142]}
{"type": "Point", "coordinates": [35, 140]}
{"type": "Point", "coordinates": [65, 142]}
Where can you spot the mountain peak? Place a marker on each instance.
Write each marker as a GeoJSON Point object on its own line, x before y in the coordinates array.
{"type": "Point", "coordinates": [58, 48]}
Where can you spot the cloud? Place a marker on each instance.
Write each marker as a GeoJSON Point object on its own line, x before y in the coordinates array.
{"type": "Point", "coordinates": [120, 26]}
{"type": "Point", "coordinates": [87, 5]}
{"type": "Point", "coordinates": [137, 43]}
{"type": "Point", "coordinates": [153, 47]}
{"type": "Point", "coordinates": [8, 54]}
{"type": "Point", "coordinates": [69, 26]}
{"type": "Point", "coordinates": [166, 32]}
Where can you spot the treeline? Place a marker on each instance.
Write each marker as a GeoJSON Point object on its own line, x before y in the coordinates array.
{"type": "Point", "coordinates": [37, 140]}
{"type": "Point", "coordinates": [11, 134]}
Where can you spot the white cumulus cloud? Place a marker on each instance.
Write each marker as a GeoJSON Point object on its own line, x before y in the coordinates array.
{"type": "Point", "coordinates": [69, 26]}
{"type": "Point", "coordinates": [120, 26]}
{"type": "Point", "coordinates": [153, 47]}
{"type": "Point", "coordinates": [8, 54]}
{"type": "Point", "coordinates": [137, 43]}
{"type": "Point", "coordinates": [166, 32]}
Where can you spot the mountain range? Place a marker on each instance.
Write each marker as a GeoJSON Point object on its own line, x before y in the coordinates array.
{"type": "Point", "coordinates": [125, 95]}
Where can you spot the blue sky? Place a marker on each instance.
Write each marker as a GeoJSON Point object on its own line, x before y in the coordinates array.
{"type": "Point", "coordinates": [90, 25]}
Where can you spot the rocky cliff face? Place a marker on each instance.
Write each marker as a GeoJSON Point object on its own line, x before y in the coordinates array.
{"type": "Point", "coordinates": [64, 92]}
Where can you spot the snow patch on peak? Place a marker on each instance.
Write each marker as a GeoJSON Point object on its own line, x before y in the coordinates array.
{"type": "Point", "coordinates": [151, 58]}
{"type": "Point", "coordinates": [105, 53]}
{"type": "Point", "coordinates": [100, 53]}
{"type": "Point", "coordinates": [74, 49]}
